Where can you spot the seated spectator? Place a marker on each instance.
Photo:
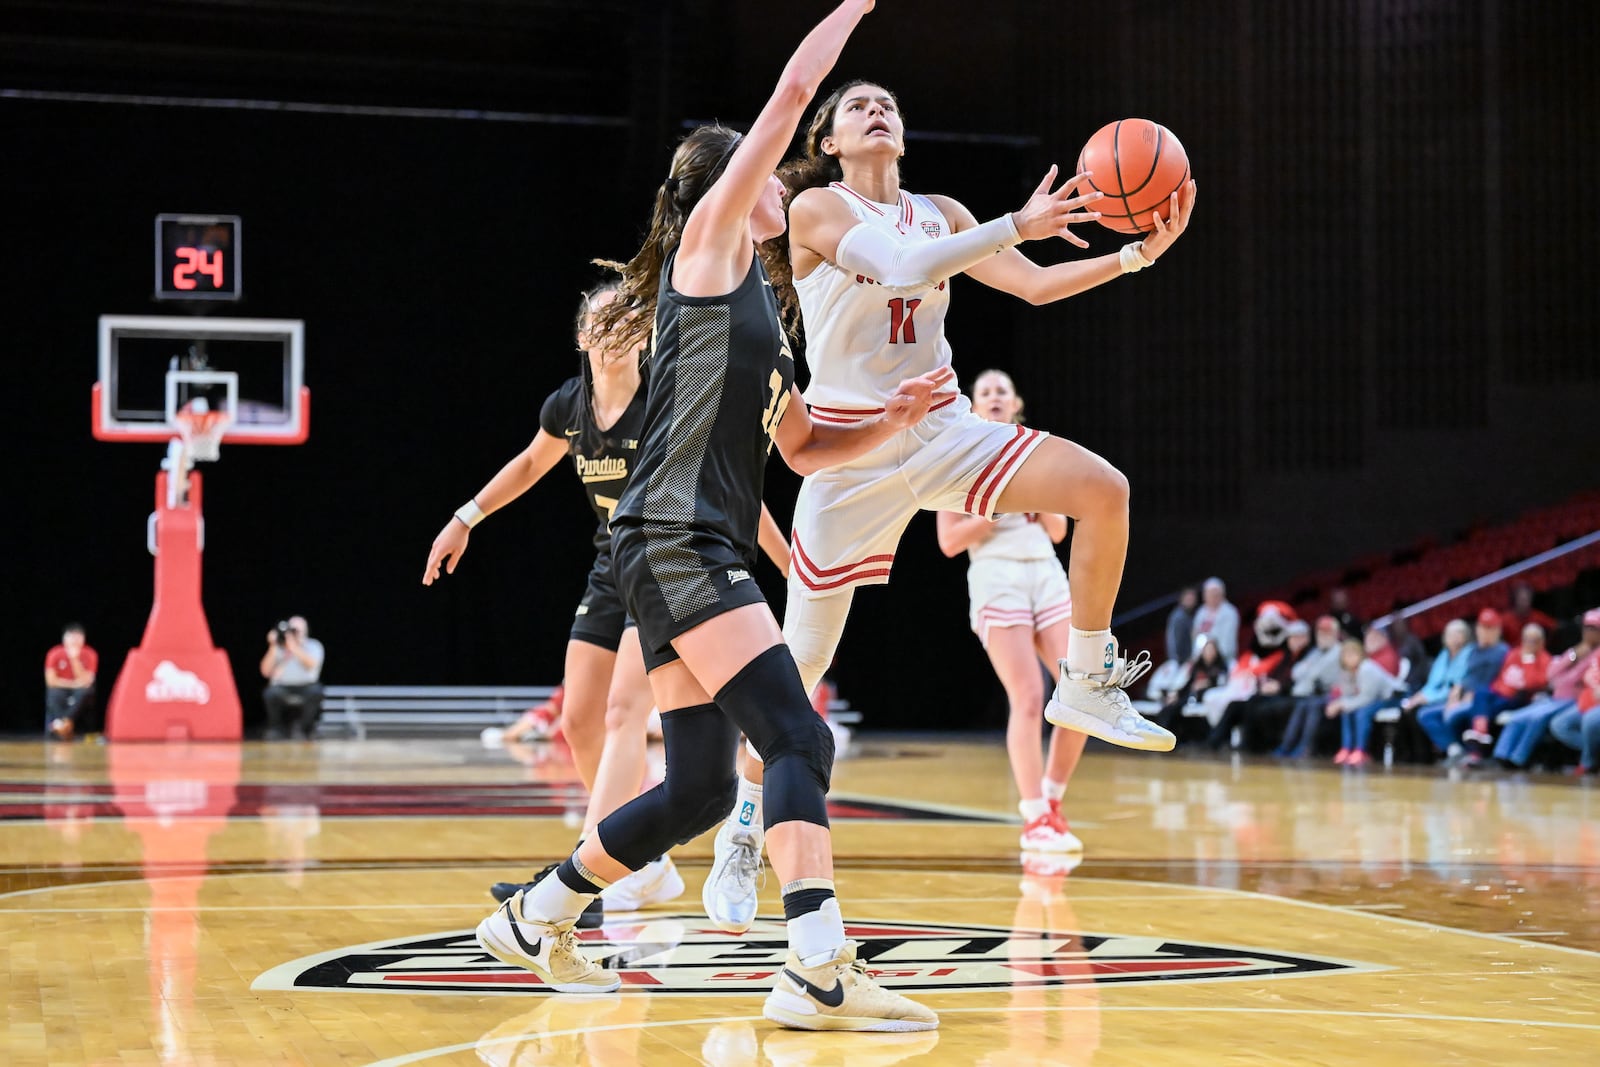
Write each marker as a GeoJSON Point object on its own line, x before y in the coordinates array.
{"type": "Point", "coordinates": [1315, 677]}
{"type": "Point", "coordinates": [1364, 687]}
{"type": "Point", "coordinates": [1448, 669]}
{"type": "Point", "coordinates": [1272, 699]}
{"type": "Point", "coordinates": [1380, 651]}
{"type": "Point", "coordinates": [1522, 612]}
{"type": "Point", "coordinates": [1526, 728]}
{"type": "Point", "coordinates": [1579, 728]}
{"type": "Point", "coordinates": [1217, 619]}
{"type": "Point", "coordinates": [1208, 669]}
{"type": "Point", "coordinates": [292, 667]}
{"type": "Point", "coordinates": [1412, 654]}
{"type": "Point", "coordinates": [69, 672]}
{"type": "Point", "coordinates": [1522, 676]}
{"type": "Point", "coordinates": [1445, 721]}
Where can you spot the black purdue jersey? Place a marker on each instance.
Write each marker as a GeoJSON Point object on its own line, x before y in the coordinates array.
{"type": "Point", "coordinates": [604, 459]}
{"type": "Point", "coordinates": [720, 371]}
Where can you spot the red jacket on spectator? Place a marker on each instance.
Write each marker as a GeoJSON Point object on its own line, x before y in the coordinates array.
{"type": "Point", "coordinates": [1521, 673]}
{"type": "Point", "coordinates": [1387, 657]}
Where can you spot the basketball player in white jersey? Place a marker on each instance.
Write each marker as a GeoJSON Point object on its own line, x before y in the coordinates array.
{"type": "Point", "coordinates": [872, 265]}
{"type": "Point", "coordinates": [1022, 613]}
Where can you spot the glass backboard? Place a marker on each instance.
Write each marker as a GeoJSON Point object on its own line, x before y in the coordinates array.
{"type": "Point", "coordinates": [153, 366]}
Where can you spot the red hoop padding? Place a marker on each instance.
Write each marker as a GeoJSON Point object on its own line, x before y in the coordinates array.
{"type": "Point", "coordinates": [162, 435]}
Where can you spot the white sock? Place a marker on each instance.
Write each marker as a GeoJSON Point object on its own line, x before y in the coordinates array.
{"type": "Point", "coordinates": [1052, 789]}
{"type": "Point", "coordinates": [1091, 651]}
{"type": "Point", "coordinates": [747, 808]}
{"type": "Point", "coordinates": [551, 901]}
{"type": "Point", "coordinates": [1033, 809]}
{"type": "Point", "coordinates": [817, 936]}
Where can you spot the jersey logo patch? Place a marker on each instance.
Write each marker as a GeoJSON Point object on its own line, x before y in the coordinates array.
{"type": "Point", "coordinates": [737, 575]}
{"type": "Point", "coordinates": [573, 433]}
{"type": "Point", "coordinates": [932, 228]}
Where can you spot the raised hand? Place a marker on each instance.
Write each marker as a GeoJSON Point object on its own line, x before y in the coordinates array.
{"type": "Point", "coordinates": [449, 545]}
{"type": "Point", "coordinates": [914, 396]}
{"type": "Point", "coordinates": [1049, 214]}
{"type": "Point", "coordinates": [1171, 228]}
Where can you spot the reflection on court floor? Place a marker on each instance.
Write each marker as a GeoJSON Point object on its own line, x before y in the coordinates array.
{"type": "Point", "coordinates": [227, 904]}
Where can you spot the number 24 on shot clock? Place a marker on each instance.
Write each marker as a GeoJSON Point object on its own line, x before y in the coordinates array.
{"type": "Point", "coordinates": [197, 257]}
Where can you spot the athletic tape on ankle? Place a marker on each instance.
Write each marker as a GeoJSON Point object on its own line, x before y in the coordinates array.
{"type": "Point", "coordinates": [586, 874]}
{"type": "Point", "coordinates": [807, 883]}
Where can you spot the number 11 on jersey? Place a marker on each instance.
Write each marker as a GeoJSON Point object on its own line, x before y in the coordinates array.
{"type": "Point", "coordinates": [901, 323]}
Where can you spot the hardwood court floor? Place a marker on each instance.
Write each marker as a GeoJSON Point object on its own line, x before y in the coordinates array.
{"type": "Point", "coordinates": [313, 904]}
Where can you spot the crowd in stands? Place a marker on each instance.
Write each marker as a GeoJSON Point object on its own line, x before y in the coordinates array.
{"type": "Point", "coordinates": [1494, 697]}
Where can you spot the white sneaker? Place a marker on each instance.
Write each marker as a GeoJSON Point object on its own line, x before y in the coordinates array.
{"type": "Point", "coordinates": [547, 949]}
{"type": "Point", "coordinates": [841, 995]}
{"type": "Point", "coordinates": [655, 883]}
{"type": "Point", "coordinates": [730, 890]}
{"type": "Point", "coordinates": [1097, 704]}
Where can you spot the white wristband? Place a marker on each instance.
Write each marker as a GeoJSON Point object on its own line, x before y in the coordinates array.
{"type": "Point", "coordinates": [470, 513]}
{"type": "Point", "coordinates": [1133, 259]}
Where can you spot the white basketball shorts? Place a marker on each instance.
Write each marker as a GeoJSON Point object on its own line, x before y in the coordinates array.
{"type": "Point", "coordinates": [848, 519]}
{"type": "Point", "coordinates": [1017, 592]}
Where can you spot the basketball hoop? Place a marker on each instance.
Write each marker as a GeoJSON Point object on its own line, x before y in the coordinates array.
{"type": "Point", "coordinates": [201, 430]}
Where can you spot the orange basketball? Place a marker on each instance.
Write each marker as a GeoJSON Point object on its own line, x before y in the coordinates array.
{"type": "Point", "coordinates": [1138, 164]}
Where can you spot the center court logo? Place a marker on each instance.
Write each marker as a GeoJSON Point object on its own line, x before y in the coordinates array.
{"type": "Point", "coordinates": [682, 954]}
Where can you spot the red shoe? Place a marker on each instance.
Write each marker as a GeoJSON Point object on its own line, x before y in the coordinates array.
{"type": "Point", "coordinates": [1357, 758]}
{"type": "Point", "coordinates": [1343, 756]}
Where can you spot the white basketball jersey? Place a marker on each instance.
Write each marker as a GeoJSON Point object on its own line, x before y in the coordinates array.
{"type": "Point", "coordinates": [1015, 537]}
{"type": "Point", "coordinates": [862, 341]}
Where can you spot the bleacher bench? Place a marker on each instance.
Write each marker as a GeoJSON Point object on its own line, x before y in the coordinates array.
{"type": "Point", "coordinates": [360, 709]}
{"type": "Point", "coordinates": [465, 708]}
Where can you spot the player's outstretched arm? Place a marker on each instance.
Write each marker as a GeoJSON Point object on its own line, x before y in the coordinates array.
{"type": "Point", "coordinates": [825, 227]}
{"type": "Point", "coordinates": [718, 223]}
{"type": "Point", "coordinates": [1014, 273]}
{"type": "Point", "coordinates": [512, 480]}
{"type": "Point", "coordinates": [808, 446]}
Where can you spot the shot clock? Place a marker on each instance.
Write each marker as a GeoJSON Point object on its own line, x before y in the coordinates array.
{"type": "Point", "coordinates": [197, 257]}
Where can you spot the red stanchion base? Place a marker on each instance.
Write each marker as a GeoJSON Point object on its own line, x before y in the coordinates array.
{"type": "Point", "coordinates": [173, 696]}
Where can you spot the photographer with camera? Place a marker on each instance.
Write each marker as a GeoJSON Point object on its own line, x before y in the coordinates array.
{"type": "Point", "coordinates": [292, 666]}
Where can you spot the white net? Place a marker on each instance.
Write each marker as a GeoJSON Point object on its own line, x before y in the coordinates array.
{"type": "Point", "coordinates": [201, 430]}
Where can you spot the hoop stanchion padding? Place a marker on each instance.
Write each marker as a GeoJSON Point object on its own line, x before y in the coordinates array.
{"type": "Point", "coordinates": [176, 684]}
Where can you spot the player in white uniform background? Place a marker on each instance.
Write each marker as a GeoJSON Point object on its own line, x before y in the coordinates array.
{"type": "Point", "coordinates": [872, 266]}
{"type": "Point", "coordinates": [1021, 610]}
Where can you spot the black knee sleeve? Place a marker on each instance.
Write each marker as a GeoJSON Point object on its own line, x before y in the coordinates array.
{"type": "Point", "coordinates": [770, 705]}
{"type": "Point", "coordinates": [695, 795]}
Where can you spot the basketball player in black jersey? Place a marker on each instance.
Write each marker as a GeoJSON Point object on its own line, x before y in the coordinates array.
{"type": "Point", "coordinates": [597, 418]}
{"type": "Point", "coordinates": [721, 394]}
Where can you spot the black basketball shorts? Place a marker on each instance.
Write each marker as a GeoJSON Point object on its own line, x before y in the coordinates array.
{"type": "Point", "coordinates": [601, 617]}
{"type": "Point", "coordinates": [672, 579]}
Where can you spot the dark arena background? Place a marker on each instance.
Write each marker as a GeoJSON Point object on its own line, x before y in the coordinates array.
{"type": "Point", "coordinates": [1369, 365]}
{"type": "Point", "coordinates": [1378, 328]}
